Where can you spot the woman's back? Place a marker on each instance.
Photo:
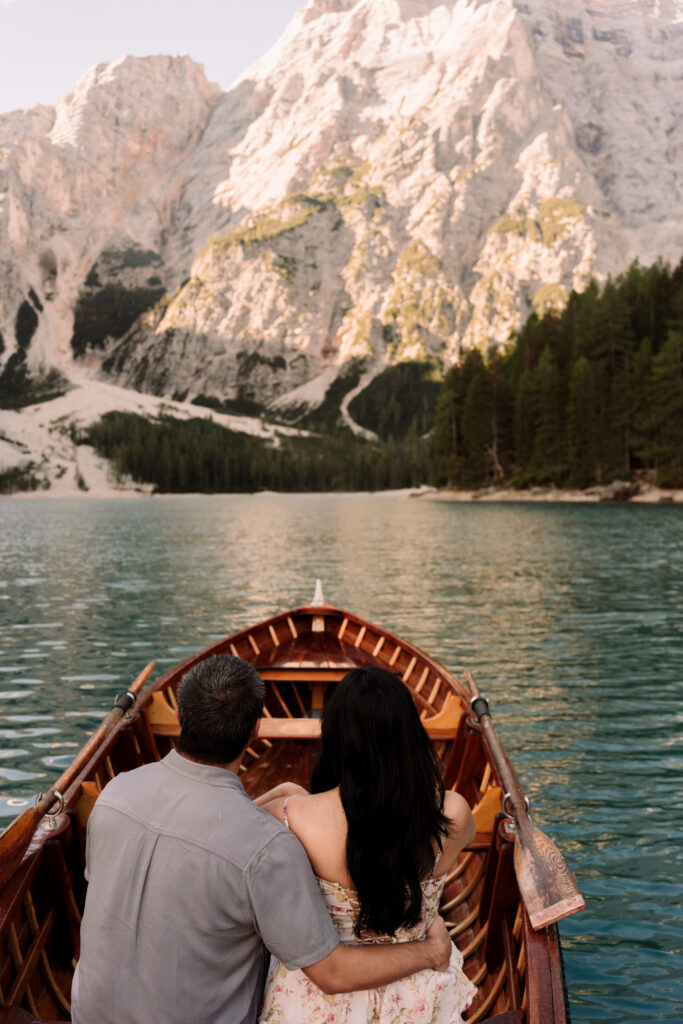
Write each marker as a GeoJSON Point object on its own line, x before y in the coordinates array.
{"type": "Point", "coordinates": [429, 997]}
{"type": "Point", "coordinates": [381, 835]}
{"type": "Point", "coordinates": [319, 822]}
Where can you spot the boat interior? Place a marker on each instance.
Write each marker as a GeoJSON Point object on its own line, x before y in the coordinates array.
{"type": "Point", "coordinates": [301, 655]}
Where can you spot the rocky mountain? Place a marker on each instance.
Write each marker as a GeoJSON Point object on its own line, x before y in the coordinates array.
{"type": "Point", "coordinates": [394, 180]}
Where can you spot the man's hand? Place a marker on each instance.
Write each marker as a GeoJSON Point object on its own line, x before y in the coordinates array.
{"type": "Point", "coordinates": [440, 940]}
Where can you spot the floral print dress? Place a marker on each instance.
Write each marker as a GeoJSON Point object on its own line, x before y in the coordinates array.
{"type": "Point", "coordinates": [428, 997]}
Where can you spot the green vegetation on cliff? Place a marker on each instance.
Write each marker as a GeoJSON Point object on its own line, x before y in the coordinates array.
{"type": "Point", "coordinates": [18, 387]}
{"type": "Point", "coordinates": [109, 313]}
{"type": "Point", "coordinates": [399, 401]}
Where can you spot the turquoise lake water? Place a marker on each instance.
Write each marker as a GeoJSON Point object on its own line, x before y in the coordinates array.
{"type": "Point", "coordinates": [570, 617]}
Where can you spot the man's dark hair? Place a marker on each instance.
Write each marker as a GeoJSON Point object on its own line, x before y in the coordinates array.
{"type": "Point", "coordinates": [219, 703]}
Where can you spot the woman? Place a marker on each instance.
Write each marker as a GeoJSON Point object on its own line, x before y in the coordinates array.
{"type": "Point", "coordinates": [381, 837]}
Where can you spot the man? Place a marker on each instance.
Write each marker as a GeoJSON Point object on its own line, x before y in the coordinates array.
{"type": "Point", "coordinates": [189, 880]}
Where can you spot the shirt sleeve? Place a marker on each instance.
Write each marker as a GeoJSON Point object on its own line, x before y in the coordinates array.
{"type": "Point", "coordinates": [289, 911]}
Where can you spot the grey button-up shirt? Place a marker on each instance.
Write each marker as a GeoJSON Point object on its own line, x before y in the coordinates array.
{"type": "Point", "coordinates": [187, 880]}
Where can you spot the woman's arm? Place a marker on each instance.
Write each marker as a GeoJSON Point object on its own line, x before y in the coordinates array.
{"type": "Point", "coordinates": [278, 792]}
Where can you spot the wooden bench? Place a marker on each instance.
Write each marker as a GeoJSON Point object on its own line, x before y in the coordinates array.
{"type": "Point", "coordinates": [163, 720]}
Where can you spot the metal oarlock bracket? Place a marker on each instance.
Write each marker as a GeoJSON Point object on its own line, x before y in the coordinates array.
{"type": "Point", "coordinates": [507, 810]}
{"type": "Point", "coordinates": [480, 706]}
{"type": "Point", "coordinates": [125, 701]}
{"type": "Point", "coordinates": [53, 816]}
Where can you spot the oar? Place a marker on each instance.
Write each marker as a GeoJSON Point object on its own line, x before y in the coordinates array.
{"type": "Point", "coordinates": [546, 884]}
{"type": "Point", "coordinates": [15, 839]}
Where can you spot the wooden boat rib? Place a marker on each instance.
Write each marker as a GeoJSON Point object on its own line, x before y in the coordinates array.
{"type": "Point", "coordinates": [301, 655]}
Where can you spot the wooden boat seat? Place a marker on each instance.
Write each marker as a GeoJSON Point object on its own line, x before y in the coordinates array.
{"type": "Point", "coordinates": [163, 720]}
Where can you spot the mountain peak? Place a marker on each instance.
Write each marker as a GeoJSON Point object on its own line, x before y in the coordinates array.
{"type": "Point", "coordinates": [161, 85]}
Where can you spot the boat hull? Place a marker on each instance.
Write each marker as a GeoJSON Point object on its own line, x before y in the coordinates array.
{"type": "Point", "coordinates": [301, 655]}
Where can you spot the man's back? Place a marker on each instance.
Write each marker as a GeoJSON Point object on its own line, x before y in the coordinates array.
{"type": "Point", "coordinates": [186, 877]}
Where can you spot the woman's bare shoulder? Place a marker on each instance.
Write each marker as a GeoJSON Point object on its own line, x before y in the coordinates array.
{"type": "Point", "coordinates": [461, 828]}
{"type": "Point", "coordinates": [302, 807]}
{"type": "Point", "coordinates": [456, 808]}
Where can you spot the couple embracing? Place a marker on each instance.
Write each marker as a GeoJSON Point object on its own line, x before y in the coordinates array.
{"type": "Point", "coordinates": [192, 885]}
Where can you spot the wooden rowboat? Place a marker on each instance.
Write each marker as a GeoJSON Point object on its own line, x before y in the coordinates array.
{"type": "Point", "coordinates": [509, 941]}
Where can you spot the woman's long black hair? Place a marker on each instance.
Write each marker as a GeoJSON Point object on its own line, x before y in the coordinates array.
{"type": "Point", "coordinates": [375, 748]}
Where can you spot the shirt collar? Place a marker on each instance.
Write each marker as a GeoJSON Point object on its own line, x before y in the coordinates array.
{"type": "Point", "coordinates": [209, 774]}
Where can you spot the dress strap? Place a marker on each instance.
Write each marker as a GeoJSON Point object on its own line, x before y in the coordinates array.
{"type": "Point", "coordinates": [284, 812]}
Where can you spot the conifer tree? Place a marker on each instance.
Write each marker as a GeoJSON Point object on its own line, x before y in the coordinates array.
{"type": "Point", "coordinates": [582, 436]}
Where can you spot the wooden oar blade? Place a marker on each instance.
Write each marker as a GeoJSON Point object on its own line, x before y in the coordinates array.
{"type": "Point", "coordinates": [546, 883]}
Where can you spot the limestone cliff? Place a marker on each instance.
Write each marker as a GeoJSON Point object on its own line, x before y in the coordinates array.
{"type": "Point", "coordinates": [395, 179]}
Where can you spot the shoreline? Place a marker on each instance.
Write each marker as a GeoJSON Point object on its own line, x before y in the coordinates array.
{"type": "Point", "coordinates": [615, 493]}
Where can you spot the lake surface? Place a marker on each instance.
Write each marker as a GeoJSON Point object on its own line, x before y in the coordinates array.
{"type": "Point", "coordinates": [570, 617]}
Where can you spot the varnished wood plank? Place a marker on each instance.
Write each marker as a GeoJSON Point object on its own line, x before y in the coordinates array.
{"type": "Point", "coordinates": [297, 698]}
{"type": "Point", "coordinates": [457, 929]}
{"type": "Point", "coordinates": [302, 675]}
{"type": "Point", "coordinates": [409, 670]}
{"type": "Point", "coordinates": [435, 689]}
{"type": "Point", "coordinates": [490, 999]}
{"type": "Point", "coordinates": [281, 701]}
{"type": "Point", "coordinates": [475, 943]}
{"type": "Point", "coordinates": [300, 728]}
{"type": "Point", "coordinates": [510, 964]}
{"type": "Point", "coordinates": [290, 760]}
{"type": "Point", "coordinates": [464, 893]}
{"type": "Point", "coordinates": [317, 698]}
{"type": "Point", "coordinates": [422, 680]}
{"type": "Point", "coordinates": [289, 728]}
{"type": "Point", "coordinates": [27, 964]}
{"type": "Point", "coordinates": [395, 656]}
{"type": "Point", "coordinates": [46, 968]}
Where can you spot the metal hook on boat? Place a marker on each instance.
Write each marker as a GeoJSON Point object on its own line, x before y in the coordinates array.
{"type": "Point", "coordinates": [53, 815]}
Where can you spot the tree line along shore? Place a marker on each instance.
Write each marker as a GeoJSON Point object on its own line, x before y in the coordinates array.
{"type": "Point", "coordinates": [581, 398]}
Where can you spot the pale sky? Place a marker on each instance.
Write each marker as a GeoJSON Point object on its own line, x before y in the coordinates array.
{"type": "Point", "coordinates": [47, 45]}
